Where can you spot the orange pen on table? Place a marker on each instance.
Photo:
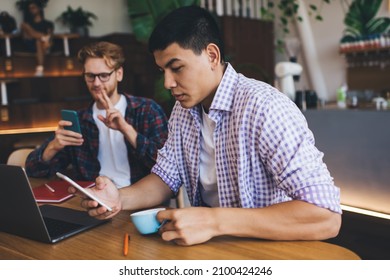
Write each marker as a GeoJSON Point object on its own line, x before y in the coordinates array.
{"type": "Point", "coordinates": [126, 244]}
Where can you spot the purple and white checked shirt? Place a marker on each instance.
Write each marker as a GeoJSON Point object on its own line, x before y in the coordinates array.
{"type": "Point", "coordinates": [264, 150]}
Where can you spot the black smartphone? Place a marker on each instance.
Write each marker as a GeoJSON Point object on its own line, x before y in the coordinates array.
{"type": "Point", "coordinates": [71, 115]}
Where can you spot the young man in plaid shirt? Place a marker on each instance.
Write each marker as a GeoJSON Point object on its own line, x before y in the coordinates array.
{"type": "Point", "coordinates": [120, 133]}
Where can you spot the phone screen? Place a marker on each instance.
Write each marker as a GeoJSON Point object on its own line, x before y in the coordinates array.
{"type": "Point", "coordinates": [71, 115]}
{"type": "Point", "coordinates": [80, 188]}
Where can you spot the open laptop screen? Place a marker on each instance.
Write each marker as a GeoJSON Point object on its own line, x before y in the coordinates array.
{"type": "Point", "coordinates": [21, 215]}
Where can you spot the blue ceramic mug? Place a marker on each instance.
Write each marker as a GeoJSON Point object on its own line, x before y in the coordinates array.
{"type": "Point", "coordinates": [146, 221]}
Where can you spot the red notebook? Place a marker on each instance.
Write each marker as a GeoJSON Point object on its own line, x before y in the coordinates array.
{"type": "Point", "coordinates": [57, 191]}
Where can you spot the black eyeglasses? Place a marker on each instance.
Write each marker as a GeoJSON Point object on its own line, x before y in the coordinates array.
{"type": "Point", "coordinates": [103, 77]}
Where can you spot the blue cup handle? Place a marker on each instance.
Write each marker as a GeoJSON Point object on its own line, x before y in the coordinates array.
{"type": "Point", "coordinates": [162, 224]}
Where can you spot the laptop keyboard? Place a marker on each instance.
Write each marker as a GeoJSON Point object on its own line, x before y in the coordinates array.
{"type": "Point", "coordinates": [58, 228]}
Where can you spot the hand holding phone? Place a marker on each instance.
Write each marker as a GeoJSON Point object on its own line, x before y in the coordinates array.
{"type": "Point", "coordinates": [81, 189]}
{"type": "Point", "coordinates": [70, 115]}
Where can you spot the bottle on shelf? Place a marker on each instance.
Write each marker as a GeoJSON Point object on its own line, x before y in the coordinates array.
{"type": "Point", "coordinates": [342, 96]}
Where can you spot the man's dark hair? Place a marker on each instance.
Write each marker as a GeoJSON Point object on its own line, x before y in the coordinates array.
{"type": "Point", "coordinates": [191, 27]}
{"type": "Point", "coordinates": [24, 5]}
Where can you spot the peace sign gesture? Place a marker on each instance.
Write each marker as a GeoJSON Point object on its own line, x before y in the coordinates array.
{"type": "Point", "coordinates": [114, 118]}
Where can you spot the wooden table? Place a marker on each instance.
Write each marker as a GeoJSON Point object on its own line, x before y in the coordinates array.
{"type": "Point", "coordinates": [106, 243]}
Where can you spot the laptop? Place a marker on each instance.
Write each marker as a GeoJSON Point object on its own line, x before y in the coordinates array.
{"type": "Point", "coordinates": [21, 215]}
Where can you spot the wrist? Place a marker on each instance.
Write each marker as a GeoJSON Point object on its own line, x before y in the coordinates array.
{"type": "Point", "coordinates": [53, 146]}
{"type": "Point", "coordinates": [122, 200]}
{"type": "Point", "coordinates": [131, 135]}
{"type": "Point", "coordinates": [219, 227]}
{"type": "Point", "coordinates": [50, 151]}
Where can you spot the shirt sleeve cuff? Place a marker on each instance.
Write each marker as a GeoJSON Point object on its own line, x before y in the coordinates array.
{"type": "Point", "coordinates": [174, 185]}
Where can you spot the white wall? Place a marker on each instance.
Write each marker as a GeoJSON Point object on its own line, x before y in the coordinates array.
{"type": "Point", "coordinates": [327, 35]}
{"type": "Point", "coordinates": [112, 14]}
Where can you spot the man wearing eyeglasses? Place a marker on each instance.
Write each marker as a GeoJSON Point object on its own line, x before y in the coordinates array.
{"type": "Point", "coordinates": [112, 124]}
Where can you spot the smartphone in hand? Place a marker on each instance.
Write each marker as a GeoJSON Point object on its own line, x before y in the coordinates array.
{"type": "Point", "coordinates": [81, 189]}
{"type": "Point", "coordinates": [71, 115]}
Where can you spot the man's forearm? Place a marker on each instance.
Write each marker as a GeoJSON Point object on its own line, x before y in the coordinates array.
{"type": "Point", "coordinates": [130, 135]}
{"type": "Point", "coordinates": [293, 220]}
{"type": "Point", "coordinates": [49, 152]}
{"type": "Point", "coordinates": [149, 192]}
{"type": "Point", "coordinates": [31, 32]}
